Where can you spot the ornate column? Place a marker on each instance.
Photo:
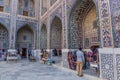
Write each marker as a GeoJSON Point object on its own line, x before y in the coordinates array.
{"type": "Point", "coordinates": [48, 32]}
{"type": "Point", "coordinates": [40, 12]}
{"type": "Point", "coordinates": [64, 25]}
{"type": "Point", "coordinates": [115, 17]}
{"type": "Point", "coordinates": [106, 53]}
{"type": "Point", "coordinates": [12, 34]}
{"type": "Point", "coordinates": [37, 12]}
{"type": "Point", "coordinates": [105, 23]}
{"type": "Point", "coordinates": [65, 34]}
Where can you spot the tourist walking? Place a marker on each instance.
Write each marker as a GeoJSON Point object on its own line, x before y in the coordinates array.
{"type": "Point", "coordinates": [80, 61]}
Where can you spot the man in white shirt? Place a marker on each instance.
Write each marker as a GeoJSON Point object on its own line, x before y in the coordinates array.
{"type": "Point", "coordinates": [80, 61]}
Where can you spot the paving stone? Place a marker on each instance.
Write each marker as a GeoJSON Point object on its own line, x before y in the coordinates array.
{"type": "Point", "coordinates": [25, 70]}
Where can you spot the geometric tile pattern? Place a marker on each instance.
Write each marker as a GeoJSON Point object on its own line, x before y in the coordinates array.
{"type": "Point", "coordinates": [118, 66]}
{"type": "Point", "coordinates": [26, 7]}
{"type": "Point", "coordinates": [107, 66]}
{"type": "Point", "coordinates": [6, 5]}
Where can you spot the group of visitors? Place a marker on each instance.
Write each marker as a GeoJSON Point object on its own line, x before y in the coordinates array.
{"type": "Point", "coordinates": [80, 59]}
{"type": "Point", "coordinates": [57, 52]}
{"type": "Point", "coordinates": [72, 58]}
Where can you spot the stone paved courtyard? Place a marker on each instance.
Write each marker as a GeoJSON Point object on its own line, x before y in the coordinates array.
{"type": "Point", "coordinates": [25, 70]}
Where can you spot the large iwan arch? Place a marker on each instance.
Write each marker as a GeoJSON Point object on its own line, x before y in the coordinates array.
{"type": "Point", "coordinates": [83, 29]}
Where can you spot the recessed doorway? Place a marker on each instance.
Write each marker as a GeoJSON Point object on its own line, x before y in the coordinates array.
{"type": "Point", "coordinates": [24, 52]}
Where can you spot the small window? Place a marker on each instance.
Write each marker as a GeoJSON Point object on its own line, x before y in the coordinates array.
{"type": "Point", "coordinates": [25, 13]}
{"type": "Point", "coordinates": [1, 8]}
{"type": "Point", "coordinates": [24, 38]}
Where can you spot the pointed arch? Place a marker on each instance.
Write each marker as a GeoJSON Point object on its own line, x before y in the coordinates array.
{"type": "Point", "coordinates": [56, 33]}
{"type": "Point", "coordinates": [77, 29]}
{"type": "Point", "coordinates": [25, 37]}
{"type": "Point", "coordinates": [4, 37]}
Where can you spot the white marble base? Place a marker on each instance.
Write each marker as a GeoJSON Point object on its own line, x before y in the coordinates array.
{"type": "Point", "coordinates": [109, 63]}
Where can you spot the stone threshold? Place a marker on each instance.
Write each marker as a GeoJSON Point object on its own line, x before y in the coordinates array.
{"type": "Point", "coordinates": [86, 76]}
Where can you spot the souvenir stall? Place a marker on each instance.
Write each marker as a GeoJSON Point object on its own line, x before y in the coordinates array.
{"type": "Point", "coordinates": [12, 55]}
{"type": "Point", "coordinates": [32, 56]}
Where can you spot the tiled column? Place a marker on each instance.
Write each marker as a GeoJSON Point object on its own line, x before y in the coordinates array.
{"type": "Point", "coordinates": [106, 56]}
{"type": "Point", "coordinates": [12, 34]}
{"type": "Point", "coordinates": [105, 23]}
{"type": "Point", "coordinates": [40, 10]}
{"type": "Point", "coordinates": [115, 14]}
{"type": "Point", "coordinates": [48, 33]}
{"type": "Point", "coordinates": [65, 35]}
{"type": "Point", "coordinates": [38, 18]}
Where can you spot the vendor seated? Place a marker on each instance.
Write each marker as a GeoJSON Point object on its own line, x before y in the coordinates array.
{"type": "Point", "coordinates": [32, 58]}
{"type": "Point", "coordinates": [45, 57]}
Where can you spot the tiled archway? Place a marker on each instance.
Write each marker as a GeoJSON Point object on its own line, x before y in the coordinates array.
{"type": "Point", "coordinates": [25, 38]}
{"type": "Point", "coordinates": [3, 37]}
{"type": "Point", "coordinates": [82, 25]}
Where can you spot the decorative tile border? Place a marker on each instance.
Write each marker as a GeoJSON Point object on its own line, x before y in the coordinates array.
{"type": "Point", "coordinates": [105, 23]}
{"type": "Point", "coordinates": [27, 19]}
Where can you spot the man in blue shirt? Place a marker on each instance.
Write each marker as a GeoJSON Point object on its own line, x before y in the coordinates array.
{"type": "Point", "coordinates": [80, 61]}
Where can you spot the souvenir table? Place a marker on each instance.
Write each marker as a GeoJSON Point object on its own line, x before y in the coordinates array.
{"type": "Point", "coordinates": [93, 65]}
{"type": "Point", "coordinates": [12, 55]}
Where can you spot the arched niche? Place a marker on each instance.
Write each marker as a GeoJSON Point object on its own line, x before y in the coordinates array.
{"type": "Point", "coordinates": [43, 37]}
{"type": "Point", "coordinates": [25, 37]}
{"type": "Point", "coordinates": [83, 29]}
{"type": "Point", "coordinates": [4, 43]}
{"type": "Point", "coordinates": [56, 34]}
